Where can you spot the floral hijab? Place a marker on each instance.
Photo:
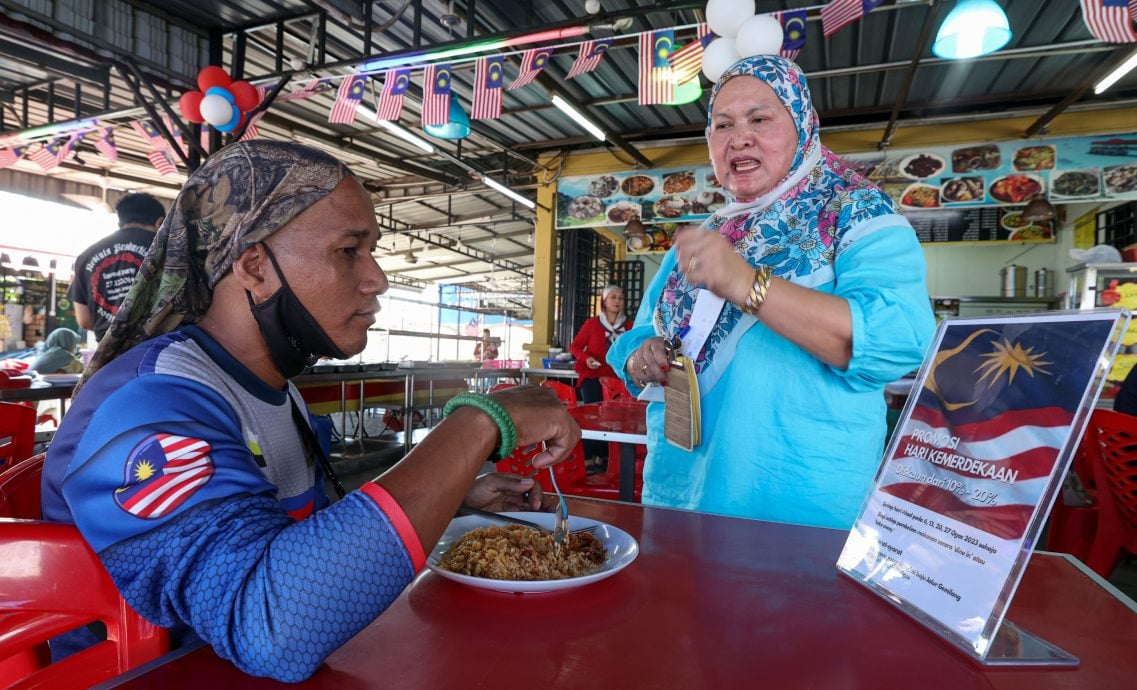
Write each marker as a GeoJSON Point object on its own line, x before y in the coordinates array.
{"type": "Point", "coordinates": [795, 228]}
{"type": "Point", "coordinates": [239, 196]}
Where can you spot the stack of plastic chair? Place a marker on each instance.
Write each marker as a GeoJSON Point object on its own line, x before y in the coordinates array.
{"type": "Point", "coordinates": [1115, 474]}
{"type": "Point", "coordinates": [63, 586]}
{"type": "Point", "coordinates": [1074, 517]}
{"type": "Point", "coordinates": [566, 393]}
{"type": "Point", "coordinates": [20, 489]}
{"type": "Point", "coordinates": [17, 433]}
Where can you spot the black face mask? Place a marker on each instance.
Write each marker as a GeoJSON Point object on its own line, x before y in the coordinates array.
{"type": "Point", "coordinates": [293, 337]}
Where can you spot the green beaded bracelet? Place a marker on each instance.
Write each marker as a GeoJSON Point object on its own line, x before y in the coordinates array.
{"type": "Point", "coordinates": [496, 412]}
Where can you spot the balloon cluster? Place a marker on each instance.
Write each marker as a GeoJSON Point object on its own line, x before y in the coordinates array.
{"type": "Point", "coordinates": [221, 102]}
{"type": "Point", "coordinates": [741, 34]}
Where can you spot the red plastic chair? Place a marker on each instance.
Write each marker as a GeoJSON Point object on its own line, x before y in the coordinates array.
{"type": "Point", "coordinates": [566, 393]}
{"type": "Point", "coordinates": [1071, 527]}
{"type": "Point", "coordinates": [1115, 474]}
{"type": "Point", "coordinates": [67, 588]}
{"type": "Point", "coordinates": [20, 489]}
{"type": "Point", "coordinates": [17, 433]}
{"type": "Point", "coordinates": [614, 389]}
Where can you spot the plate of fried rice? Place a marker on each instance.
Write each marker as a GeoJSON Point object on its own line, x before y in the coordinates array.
{"type": "Point", "coordinates": [512, 558]}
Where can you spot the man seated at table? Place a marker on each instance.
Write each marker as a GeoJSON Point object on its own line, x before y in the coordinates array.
{"type": "Point", "coordinates": [187, 463]}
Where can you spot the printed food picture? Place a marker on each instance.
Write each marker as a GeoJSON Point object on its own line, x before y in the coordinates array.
{"type": "Point", "coordinates": [623, 211]}
{"type": "Point", "coordinates": [1035, 158]}
{"type": "Point", "coordinates": [677, 183]}
{"type": "Point", "coordinates": [1015, 189]}
{"type": "Point", "coordinates": [603, 186]}
{"type": "Point", "coordinates": [975, 158]}
{"type": "Point", "coordinates": [922, 165]}
{"type": "Point", "coordinates": [1021, 229]}
{"type": "Point", "coordinates": [1076, 183]}
{"type": "Point", "coordinates": [637, 185]}
{"type": "Point", "coordinates": [921, 196]}
{"type": "Point", "coordinates": [963, 190]}
{"type": "Point", "coordinates": [1120, 179]}
{"type": "Point", "coordinates": [672, 206]}
{"type": "Point", "coordinates": [585, 208]}
{"type": "Point", "coordinates": [708, 202]}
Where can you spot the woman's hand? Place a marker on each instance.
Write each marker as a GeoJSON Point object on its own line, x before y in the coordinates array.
{"type": "Point", "coordinates": [649, 363]}
{"type": "Point", "coordinates": [592, 363]}
{"type": "Point", "coordinates": [708, 259]}
{"type": "Point", "coordinates": [540, 417]}
{"type": "Point", "coordinates": [502, 492]}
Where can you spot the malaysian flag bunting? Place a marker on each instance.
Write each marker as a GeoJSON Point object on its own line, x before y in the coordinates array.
{"type": "Point", "coordinates": [348, 98]}
{"type": "Point", "coordinates": [313, 87]}
{"type": "Point", "coordinates": [656, 85]}
{"type": "Point", "coordinates": [1110, 20]}
{"type": "Point", "coordinates": [995, 412]}
{"type": "Point", "coordinates": [162, 472]}
{"type": "Point", "coordinates": [8, 157]}
{"type": "Point", "coordinates": [163, 162]}
{"type": "Point", "coordinates": [487, 88]}
{"type": "Point", "coordinates": [532, 62]}
{"type": "Point", "coordinates": [688, 60]}
{"type": "Point", "coordinates": [175, 131]}
{"type": "Point", "coordinates": [251, 131]}
{"type": "Point", "coordinates": [395, 84]}
{"type": "Point", "coordinates": [54, 152]}
{"type": "Point", "coordinates": [793, 32]}
{"type": "Point", "coordinates": [840, 13]}
{"type": "Point", "coordinates": [591, 55]}
{"type": "Point", "coordinates": [150, 135]}
{"type": "Point", "coordinates": [106, 144]}
{"type": "Point", "coordinates": [436, 95]}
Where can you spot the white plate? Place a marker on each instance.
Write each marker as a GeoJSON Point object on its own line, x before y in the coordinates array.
{"type": "Point", "coordinates": [622, 550]}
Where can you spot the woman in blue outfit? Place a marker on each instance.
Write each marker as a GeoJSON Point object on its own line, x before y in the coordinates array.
{"type": "Point", "coordinates": [798, 302]}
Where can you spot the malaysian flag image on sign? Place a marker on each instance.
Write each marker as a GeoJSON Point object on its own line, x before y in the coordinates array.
{"type": "Point", "coordinates": [163, 162]}
{"type": "Point", "coordinates": [1110, 20]}
{"type": "Point", "coordinates": [150, 135]}
{"type": "Point", "coordinates": [591, 55]}
{"type": "Point", "coordinates": [348, 99]}
{"type": "Point", "coordinates": [313, 87]}
{"type": "Point", "coordinates": [841, 13]}
{"type": "Point", "coordinates": [161, 473]}
{"type": "Point", "coordinates": [395, 83]}
{"type": "Point", "coordinates": [54, 152]}
{"type": "Point", "coordinates": [793, 32]}
{"type": "Point", "coordinates": [656, 85]}
{"type": "Point", "coordinates": [436, 95]}
{"type": "Point", "coordinates": [106, 145]}
{"type": "Point", "coordinates": [997, 407]}
{"type": "Point", "coordinates": [9, 156]}
{"type": "Point", "coordinates": [487, 88]}
{"type": "Point", "coordinates": [532, 62]}
{"type": "Point", "coordinates": [688, 60]}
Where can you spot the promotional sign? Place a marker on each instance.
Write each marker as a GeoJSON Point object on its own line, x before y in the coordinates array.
{"type": "Point", "coordinates": [975, 462]}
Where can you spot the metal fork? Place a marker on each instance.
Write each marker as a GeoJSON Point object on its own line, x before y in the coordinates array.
{"type": "Point", "coordinates": [560, 524]}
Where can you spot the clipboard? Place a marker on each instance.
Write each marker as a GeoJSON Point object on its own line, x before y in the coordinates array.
{"type": "Point", "coordinates": [681, 416]}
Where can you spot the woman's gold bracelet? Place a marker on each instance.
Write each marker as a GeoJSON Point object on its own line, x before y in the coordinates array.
{"type": "Point", "coordinates": [758, 289]}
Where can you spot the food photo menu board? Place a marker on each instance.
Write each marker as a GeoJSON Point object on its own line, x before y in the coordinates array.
{"type": "Point", "coordinates": [987, 224]}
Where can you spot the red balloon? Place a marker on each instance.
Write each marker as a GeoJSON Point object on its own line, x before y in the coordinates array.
{"type": "Point", "coordinates": [212, 76]}
{"type": "Point", "coordinates": [245, 95]}
{"type": "Point", "coordinates": [190, 105]}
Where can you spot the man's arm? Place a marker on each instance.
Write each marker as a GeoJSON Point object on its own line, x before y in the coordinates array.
{"type": "Point", "coordinates": [83, 316]}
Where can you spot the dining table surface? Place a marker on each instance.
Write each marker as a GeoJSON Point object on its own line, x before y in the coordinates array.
{"type": "Point", "coordinates": [619, 421]}
{"type": "Point", "coordinates": [710, 602]}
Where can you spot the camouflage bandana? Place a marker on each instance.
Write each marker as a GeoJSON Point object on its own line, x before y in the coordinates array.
{"type": "Point", "coordinates": [238, 197]}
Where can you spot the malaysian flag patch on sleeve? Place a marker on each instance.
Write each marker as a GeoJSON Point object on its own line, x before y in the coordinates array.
{"type": "Point", "coordinates": [161, 473]}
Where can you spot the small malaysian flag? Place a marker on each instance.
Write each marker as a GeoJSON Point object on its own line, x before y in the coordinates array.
{"type": "Point", "coordinates": [395, 84]}
{"type": "Point", "coordinates": [487, 88]}
{"type": "Point", "coordinates": [9, 156]}
{"type": "Point", "coordinates": [793, 32]}
{"type": "Point", "coordinates": [1110, 20]}
{"type": "Point", "coordinates": [106, 144]}
{"type": "Point", "coordinates": [53, 152]}
{"type": "Point", "coordinates": [175, 131]}
{"type": "Point", "coordinates": [436, 95]}
{"type": "Point", "coordinates": [656, 85]}
{"type": "Point", "coordinates": [251, 128]}
{"type": "Point", "coordinates": [163, 162]}
{"type": "Point", "coordinates": [591, 55]}
{"type": "Point", "coordinates": [348, 99]}
{"type": "Point", "coordinates": [313, 87]}
{"type": "Point", "coordinates": [688, 60]}
{"type": "Point", "coordinates": [162, 472]}
{"type": "Point", "coordinates": [150, 135]}
{"type": "Point", "coordinates": [841, 13]}
{"type": "Point", "coordinates": [532, 62]}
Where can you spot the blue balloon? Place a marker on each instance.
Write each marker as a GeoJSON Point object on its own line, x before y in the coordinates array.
{"type": "Point", "coordinates": [221, 91]}
{"type": "Point", "coordinates": [232, 123]}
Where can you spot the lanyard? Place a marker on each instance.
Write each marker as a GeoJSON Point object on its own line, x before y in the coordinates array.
{"type": "Point", "coordinates": [312, 446]}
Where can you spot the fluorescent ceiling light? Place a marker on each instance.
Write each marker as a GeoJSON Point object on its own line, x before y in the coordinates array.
{"type": "Point", "coordinates": [579, 117]}
{"type": "Point", "coordinates": [1115, 76]}
{"type": "Point", "coordinates": [492, 184]}
{"type": "Point", "coordinates": [395, 129]}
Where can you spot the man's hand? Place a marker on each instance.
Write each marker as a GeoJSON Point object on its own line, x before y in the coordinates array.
{"type": "Point", "coordinates": [502, 492]}
{"type": "Point", "coordinates": [540, 417]}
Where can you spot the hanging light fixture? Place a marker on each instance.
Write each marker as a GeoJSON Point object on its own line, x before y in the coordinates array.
{"type": "Point", "coordinates": [457, 125]}
{"type": "Point", "coordinates": [971, 29]}
{"type": "Point", "coordinates": [1038, 210]}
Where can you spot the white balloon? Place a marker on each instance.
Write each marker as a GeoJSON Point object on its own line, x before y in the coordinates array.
{"type": "Point", "coordinates": [726, 16]}
{"type": "Point", "coordinates": [718, 57]}
{"type": "Point", "coordinates": [759, 35]}
{"type": "Point", "coordinates": [216, 110]}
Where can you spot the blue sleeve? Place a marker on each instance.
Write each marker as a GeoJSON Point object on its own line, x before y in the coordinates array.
{"type": "Point", "coordinates": [643, 327]}
{"type": "Point", "coordinates": [881, 272]}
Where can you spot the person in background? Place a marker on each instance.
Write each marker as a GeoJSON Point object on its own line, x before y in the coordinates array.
{"type": "Point", "coordinates": [105, 270]}
{"type": "Point", "coordinates": [815, 292]}
{"type": "Point", "coordinates": [58, 355]}
{"type": "Point", "coordinates": [188, 461]}
{"type": "Point", "coordinates": [486, 348]}
{"type": "Point", "coordinates": [589, 348]}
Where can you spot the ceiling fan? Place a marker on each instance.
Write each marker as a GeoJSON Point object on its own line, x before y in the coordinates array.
{"type": "Point", "coordinates": [410, 257]}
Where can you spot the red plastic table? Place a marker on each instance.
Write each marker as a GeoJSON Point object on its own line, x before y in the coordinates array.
{"type": "Point", "coordinates": [621, 421]}
{"type": "Point", "coordinates": [711, 602]}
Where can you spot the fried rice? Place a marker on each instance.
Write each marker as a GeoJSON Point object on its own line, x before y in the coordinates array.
{"type": "Point", "coordinates": [514, 552]}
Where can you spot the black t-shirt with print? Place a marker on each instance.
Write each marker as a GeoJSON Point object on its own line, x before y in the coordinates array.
{"type": "Point", "coordinates": [105, 271]}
